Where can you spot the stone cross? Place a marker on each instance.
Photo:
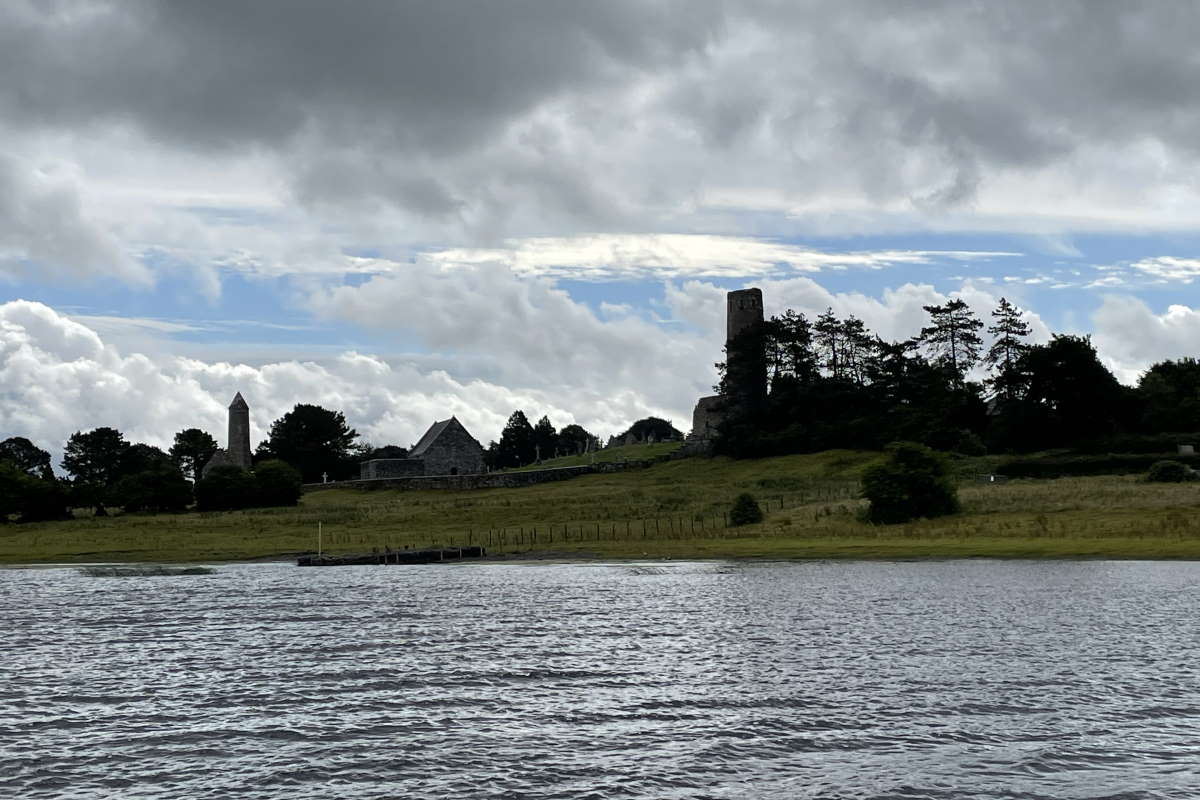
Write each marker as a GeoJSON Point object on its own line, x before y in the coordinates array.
{"type": "Point", "coordinates": [324, 477]}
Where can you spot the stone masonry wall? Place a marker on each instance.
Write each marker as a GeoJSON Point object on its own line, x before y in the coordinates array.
{"type": "Point", "coordinates": [454, 452]}
{"type": "Point", "coordinates": [493, 480]}
{"type": "Point", "coordinates": [391, 468]}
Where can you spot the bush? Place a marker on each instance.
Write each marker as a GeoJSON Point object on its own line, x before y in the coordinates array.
{"type": "Point", "coordinates": [160, 488]}
{"type": "Point", "coordinates": [745, 510]}
{"type": "Point", "coordinates": [228, 488]}
{"type": "Point", "coordinates": [225, 488]}
{"type": "Point", "coordinates": [276, 483]}
{"type": "Point", "coordinates": [34, 499]}
{"type": "Point", "coordinates": [1170, 472]}
{"type": "Point", "coordinates": [914, 482]}
{"type": "Point", "coordinates": [1057, 466]}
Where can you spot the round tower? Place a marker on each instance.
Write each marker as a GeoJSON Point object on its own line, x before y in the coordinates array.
{"type": "Point", "coordinates": [238, 445]}
{"type": "Point", "coordinates": [745, 308]}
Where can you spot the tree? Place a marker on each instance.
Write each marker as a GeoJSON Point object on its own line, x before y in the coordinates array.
{"type": "Point", "coordinates": [32, 497]}
{"type": "Point", "coordinates": [387, 451]}
{"type": "Point", "coordinates": [827, 334]}
{"type": "Point", "coordinates": [93, 459]}
{"type": "Point", "coordinates": [1007, 351]}
{"type": "Point", "coordinates": [314, 440]}
{"type": "Point", "coordinates": [27, 457]}
{"type": "Point", "coordinates": [574, 440]}
{"type": "Point", "coordinates": [914, 482]}
{"type": "Point", "coordinates": [953, 338]}
{"type": "Point", "coordinates": [794, 337]}
{"type": "Point", "coordinates": [652, 428]}
{"type": "Point", "coordinates": [193, 449]}
{"type": "Point", "coordinates": [276, 484]}
{"type": "Point", "coordinates": [1171, 393]}
{"type": "Point", "coordinates": [745, 511]}
{"type": "Point", "coordinates": [1073, 395]}
{"type": "Point", "coordinates": [139, 457]}
{"type": "Point", "coordinates": [516, 446]}
{"type": "Point", "coordinates": [159, 488]}
{"type": "Point", "coordinates": [225, 488]}
{"type": "Point", "coordinates": [545, 438]}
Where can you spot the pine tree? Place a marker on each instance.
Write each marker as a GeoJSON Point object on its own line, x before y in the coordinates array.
{"type": "Point", "coordinates": [517, 447]}
{"type": "Point", "coordinates": [857, 347]}
{"type": "Point", "coordinates": [953, 338]}
{"type": "Point", "coordinates": [827, 332]}
{"type": "Point", "coordinates": [1006, 353]}
{"type": "Point", "coordinates": [545, 439]}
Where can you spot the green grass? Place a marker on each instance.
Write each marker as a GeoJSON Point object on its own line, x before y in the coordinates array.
{"type": "Point", "coordinates": [812, 513]}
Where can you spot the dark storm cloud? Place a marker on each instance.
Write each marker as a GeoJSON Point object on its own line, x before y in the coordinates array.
{"type": "Point", "coordinates": [435, 74]}
{"type": "Point", "coordinates": [549, 117]}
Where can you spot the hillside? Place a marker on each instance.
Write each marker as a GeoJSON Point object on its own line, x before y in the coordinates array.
{"type": "Point", "coordinates": [672, 509]}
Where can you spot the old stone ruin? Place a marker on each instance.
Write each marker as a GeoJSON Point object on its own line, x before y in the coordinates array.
{"type": "Point", "coordinates": [237, 451]}
{"type": "Point", "coordinates": [447, 448]}
{"type": "Point", "coordinates": [744, 309]}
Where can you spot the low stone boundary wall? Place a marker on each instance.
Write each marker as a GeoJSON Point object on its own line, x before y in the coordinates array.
{"type": "Point", "coordinates": [494, 480]}
{"type": "Point", "coordinates": [490, 480]}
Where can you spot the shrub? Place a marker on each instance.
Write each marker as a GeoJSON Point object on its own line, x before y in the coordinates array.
{"type": "Point", "coordinates": [1170, 472]}
{"type": "Point", "coordinates": [33, 498]}
{"type": "Point", "coordinates": [1057, 466]}
{"type": "Point", "coordinates": [276, 483]}
{"type": "Point", "coordinates": [225, 488]}
{"type": "Point", "coordinates": [160, 488]}
{"type": "Point", "coordinates": [745, 510]}
{"type": "Point", "coordinates": [914, 482]}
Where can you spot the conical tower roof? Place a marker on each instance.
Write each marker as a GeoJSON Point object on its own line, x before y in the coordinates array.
{"type": "Point", "coordinates": [238, 402]}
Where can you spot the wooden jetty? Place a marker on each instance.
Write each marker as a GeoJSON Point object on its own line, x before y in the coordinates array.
{"type": "Point", "coordinates": [431, 556]}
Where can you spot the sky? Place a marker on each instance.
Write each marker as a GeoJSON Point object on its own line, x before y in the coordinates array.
{"type": "Point", "coordinates": [406, 211]}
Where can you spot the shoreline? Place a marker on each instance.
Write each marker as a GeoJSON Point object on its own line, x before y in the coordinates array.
{"type": "Point", "coordinates": [1138, 548]}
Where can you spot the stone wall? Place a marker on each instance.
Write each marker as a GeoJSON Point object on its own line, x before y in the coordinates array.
{"type": "Point", "coordinates": [492, 480]}
{"type": "Point", "coordinates": [453, 452]}
{"type": "Point", "coordinates": [706, 417]}
{"type": "Point", "coordinates": [391, 468]}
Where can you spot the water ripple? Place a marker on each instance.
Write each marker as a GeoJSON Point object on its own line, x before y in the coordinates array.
{"type": "Point", "coordinates": [953, 679]}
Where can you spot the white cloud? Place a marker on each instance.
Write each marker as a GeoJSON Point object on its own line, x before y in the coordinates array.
{"type": "Point", "coordinates": [640, 256]}
{"type": "Point", "coordinates": [47, 231]}
{"type": "Point", "coordinates": [1169, 268]}
{"type": "Point", "coordinates": [1130, 337]}
{"type": "Point", "coordinates": [58, 376]}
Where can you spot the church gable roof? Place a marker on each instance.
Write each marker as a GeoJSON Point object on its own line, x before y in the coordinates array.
{"type": "Point", "coordinates": [432, 435]}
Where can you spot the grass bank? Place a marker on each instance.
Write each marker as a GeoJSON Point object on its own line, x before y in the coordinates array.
{"type": "Point", "coordinates": [670, 510]}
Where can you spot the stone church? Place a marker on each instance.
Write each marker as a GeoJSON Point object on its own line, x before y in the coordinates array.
{"type": "Point", "coordinates": [447, 448]}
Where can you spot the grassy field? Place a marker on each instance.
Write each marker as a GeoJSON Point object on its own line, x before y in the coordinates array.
{"type": "Point", "coordinates": [670, 510]}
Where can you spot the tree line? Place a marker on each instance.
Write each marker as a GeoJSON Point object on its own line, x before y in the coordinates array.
{"type": "Point", "coordinates": [522, 444]}
{"type": "Point", "coordinates": [308, 444]}
{"type": "Point", "coordinates": [792, 384]}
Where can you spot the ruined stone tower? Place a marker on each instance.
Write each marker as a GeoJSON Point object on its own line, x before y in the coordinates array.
{"type": "Point", "coordinates": [238, 442]}
{"type": "Point", "coordinates": [237, 446]}
{"type": "Point", "coordinates": [747, 370]}
{"type": "Point", "coordinates": [745, 308]}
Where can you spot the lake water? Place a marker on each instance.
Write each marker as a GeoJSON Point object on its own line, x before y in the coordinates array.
{"type": "Point", "coordinates": [931, 679]}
